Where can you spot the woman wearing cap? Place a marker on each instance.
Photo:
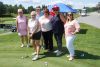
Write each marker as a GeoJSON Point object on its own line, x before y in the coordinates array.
{"type": "Point", "coordinates": [21, 24]}
{"type": "Point", "coordinates": [35, 34]}
{"type": "Point", "coordinates": [71, 27]}
{"type": "Point", "coordinates": [58, 29]}
{"type": "Point", "coordinates": [46, 29]}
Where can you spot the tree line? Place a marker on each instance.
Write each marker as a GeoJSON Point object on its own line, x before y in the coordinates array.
{"type": "Point", "coordinates": [6, 9]}
{"type": "Point", "coordinates": [9, 9]}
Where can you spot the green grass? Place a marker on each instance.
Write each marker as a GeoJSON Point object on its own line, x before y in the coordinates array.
{"type": "Point", "coordinates": [87, 43]}
{"type": "Point", "coordinates": [4, 31]}
{"type": "Point", "coordinates": [7, 20]}
{"type": "Point", "coordinates": [10, 20]}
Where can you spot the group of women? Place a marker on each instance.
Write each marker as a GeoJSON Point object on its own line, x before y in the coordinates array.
{"type": "Point", "coordinates": [47, 26]}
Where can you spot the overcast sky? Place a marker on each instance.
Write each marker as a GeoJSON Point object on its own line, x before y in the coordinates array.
{"type": "Point", "coordinates": [75, 3]}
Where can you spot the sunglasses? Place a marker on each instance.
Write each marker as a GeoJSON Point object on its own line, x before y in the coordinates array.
{"type": "Point", "coordinates": [69, 14]}
{"type": "Point", "coordinates": [20, 12]}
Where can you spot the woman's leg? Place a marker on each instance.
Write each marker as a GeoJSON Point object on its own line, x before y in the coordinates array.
{"type": "Point", "coordinates": [37, 43]}
{"type": "Point", "coordinates": [26, 39]}
{"type": "Point", "coordinates": [22, 41]}
{"type": "Point", "coordinates": [58, 38]}
{"type": "Point", "coordinates": [50, 40]}
{"type": "Point", "coordinates": [34, 46]}
{"type": "Point", "coordinates": [45, 37]}
{"type": "Point", "coordinates": [70, 46]}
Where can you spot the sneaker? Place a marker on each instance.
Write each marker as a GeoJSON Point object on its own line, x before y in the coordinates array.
{"type": "Point", "coordinates": [68, 56]}
{"type": "Point", "coordinates": [34, 53]}
{"type": "Point", "coordinates": [27, 45]}
{"type": "Point", "coordinates": [22, 45]}
{"type": "Point", "coordinates": [42, 47]}
{"type": "Point", "coordinates": [35, 58]}
{"type": "Point", "coordinates": [71, 58]}
{"type": "Point", "coordinates": [58, 53]}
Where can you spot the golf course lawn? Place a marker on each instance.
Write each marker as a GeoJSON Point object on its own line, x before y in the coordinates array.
{"type": "Point", "coordinates": [87, 48]}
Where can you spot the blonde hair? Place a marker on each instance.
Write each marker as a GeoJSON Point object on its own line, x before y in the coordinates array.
{"type": "Point", "coordinates": [33, 13]}
{"type": "Point", "coordinates": [20, 10]}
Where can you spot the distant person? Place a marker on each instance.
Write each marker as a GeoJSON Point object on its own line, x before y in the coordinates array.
{"type": "Point", "coordinates": [35, 34]}
{"type": "Point", "coordinates": [71, 27]}
{"type": "Point", "coordinates": [58, 29]}
{"type": "Point", "coordinates": [46, 28]}
{"type": "Point", "coordinates": [21, 24]}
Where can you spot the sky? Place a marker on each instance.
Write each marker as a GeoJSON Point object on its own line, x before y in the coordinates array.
{"type": "Point", "coordinates": [76, 4]}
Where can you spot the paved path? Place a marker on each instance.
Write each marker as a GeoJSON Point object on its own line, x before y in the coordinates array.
{"type": "Point", "coordinates": [92, 19]}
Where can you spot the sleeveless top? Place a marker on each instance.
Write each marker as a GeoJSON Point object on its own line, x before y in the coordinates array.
{"type": "Point", "coordinates": [22, 23]}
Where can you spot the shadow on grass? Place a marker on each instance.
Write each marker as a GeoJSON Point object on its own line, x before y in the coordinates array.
{"type": "Point", "coordinates": [79, 54]}
{"type": "Point", "coordinates": [52, 54]}
{"type": "Point", "coordinates": [86, 55]}
{"type": "Point", "coordinates": [82, 31]}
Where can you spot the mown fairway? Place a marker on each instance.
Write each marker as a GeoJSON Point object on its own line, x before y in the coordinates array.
{"type": "Point", "coordinates": [87, 42]}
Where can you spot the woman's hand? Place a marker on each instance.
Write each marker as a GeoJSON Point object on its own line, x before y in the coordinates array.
{"type": "Point", "coordinates": [73, 33]}
{"type": "Point", "coordinates": [30, 35]}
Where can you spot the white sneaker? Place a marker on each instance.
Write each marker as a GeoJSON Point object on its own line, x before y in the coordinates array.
{"type": "Point", "coordinates": [42, 47]}
{"type": "Point", "coordinates": [58, 53]}
{"type": "Point", "coordinates": [35, 58]}
{"type": "Point", "coordinates": [68, 56]}
{"type": "Point", "coordinates": [27, 45]}
{"type": "Point", "coordinates": [71, 58]}
{"type": "Point", "coordinates": [22, 45]}
{"type": "Point", "coordinates": [34, 53]}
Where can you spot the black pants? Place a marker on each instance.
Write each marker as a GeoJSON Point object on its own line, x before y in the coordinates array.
{"type": "Point", "coordinates": [58, 38]}
{"type": "Point", "coordinates": [48, 39]}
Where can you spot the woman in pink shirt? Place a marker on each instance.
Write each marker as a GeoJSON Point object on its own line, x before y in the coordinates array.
{"type": "Point", "coordinates": [71, 27]}
{"type": "Point", "coordinates": [21, 23]}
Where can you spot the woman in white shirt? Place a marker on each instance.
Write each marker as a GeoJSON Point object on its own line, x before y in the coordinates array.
{"type": "Point", "coordinates": [35, 34]}
{"type": "Point", "coordinates": [46, 28]}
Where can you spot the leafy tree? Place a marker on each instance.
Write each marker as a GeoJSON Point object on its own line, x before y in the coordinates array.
{"type": "Point", "coordinates": [98, 7]}
{"type": "Point", "coordinates": [2, 9]}
{"type": "Point", "coordinates": [30, 8]}
{"type": "Point", "coordinates": [15, 8]}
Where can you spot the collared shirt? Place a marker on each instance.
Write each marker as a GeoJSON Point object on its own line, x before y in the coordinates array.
{"type": "Point", "coordinates": [33, 25]}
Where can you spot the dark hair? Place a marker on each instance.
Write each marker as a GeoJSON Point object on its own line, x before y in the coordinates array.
{"type": "Point", "coordinates": [46, 10]}
{"type": "Point", "coordinates": [38, 7]}
{"type": "Point", "coordinates": [72, 15]}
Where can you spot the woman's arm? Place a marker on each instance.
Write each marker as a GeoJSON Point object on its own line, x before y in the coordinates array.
{"type": "Point", "coordinates": [77, 27]}
{"type": "Point", "coordinates": [27, 24]}
{"type": "Point", "coordinates": [62, 18]}
{"type": "Point", "coordinates": [17, 24]}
